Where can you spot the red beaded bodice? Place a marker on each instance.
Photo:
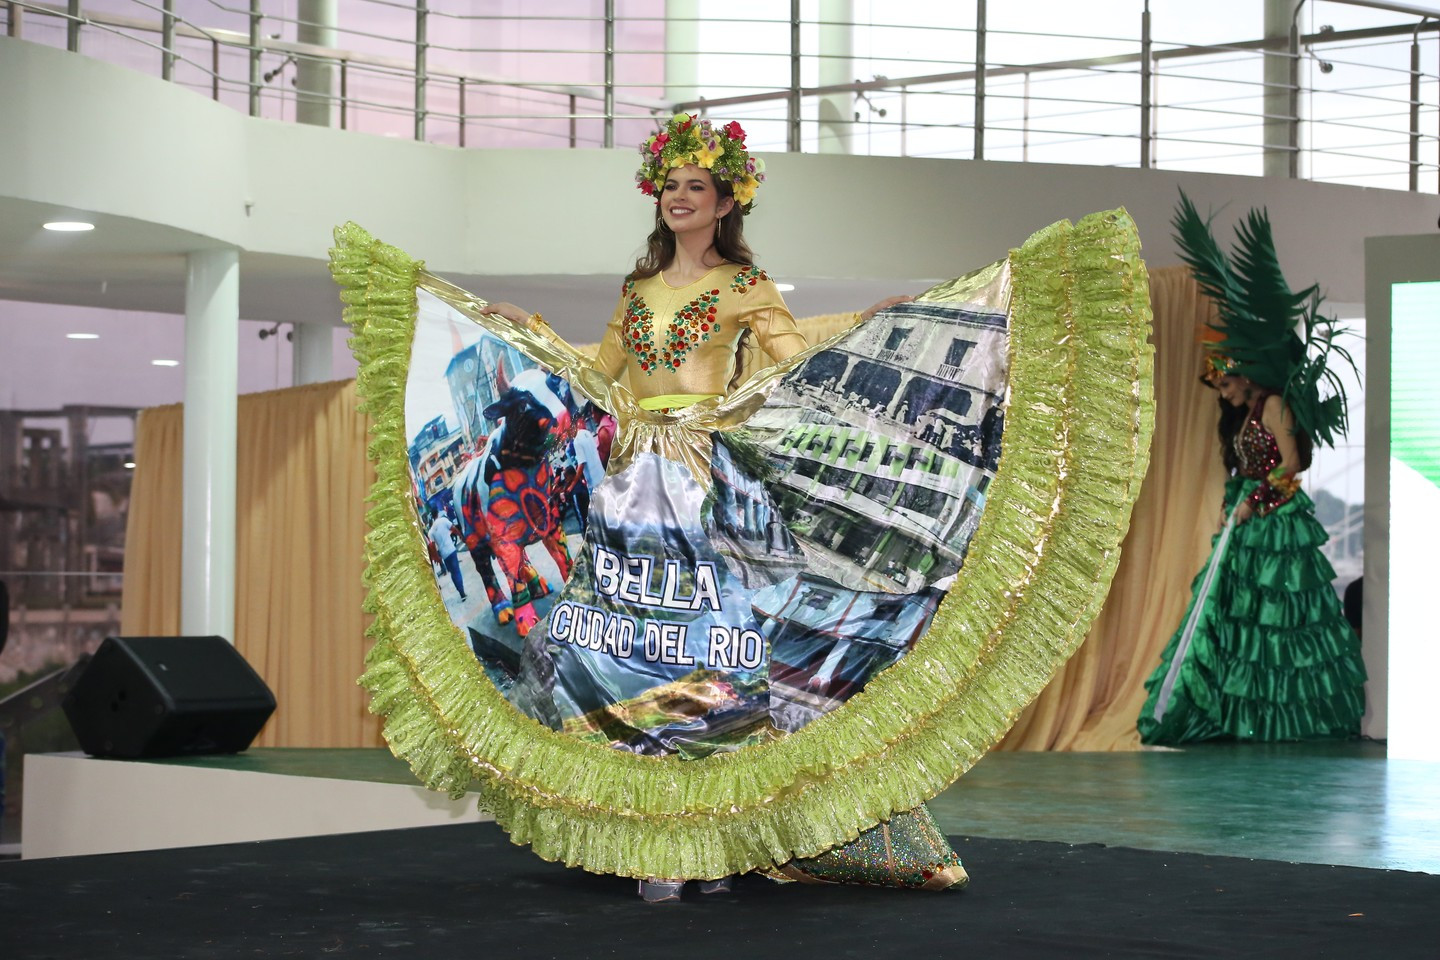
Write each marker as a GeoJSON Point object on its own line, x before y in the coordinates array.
{"type": "Point", "coordinates": [1255, 446]}
{"type": "Point", "coordinates": [1259, 458]}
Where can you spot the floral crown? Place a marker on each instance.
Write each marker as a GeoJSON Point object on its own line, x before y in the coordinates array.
{"type": "Point", "coordinates": [721, 150]}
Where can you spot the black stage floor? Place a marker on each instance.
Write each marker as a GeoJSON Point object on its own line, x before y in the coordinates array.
{"type": "Point", "coordinates": [465, 892]}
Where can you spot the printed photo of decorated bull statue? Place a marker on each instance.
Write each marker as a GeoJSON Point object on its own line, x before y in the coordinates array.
{"type": "Point", "coordinates": [504, 459]}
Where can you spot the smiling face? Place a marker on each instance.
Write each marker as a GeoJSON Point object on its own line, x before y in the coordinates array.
{"type": "Point", "coordinates": [689, 201]}
{"type": "Point", "coordinates": [1237, 391]}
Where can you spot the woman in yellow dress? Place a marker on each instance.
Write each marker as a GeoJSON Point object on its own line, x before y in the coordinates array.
{"type": "Point", "coordinates": [676, 339]}
{"type": "Point", "coordinates": [814, 582]}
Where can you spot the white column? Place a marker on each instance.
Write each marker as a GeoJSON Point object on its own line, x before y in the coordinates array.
{"type": "Point", "coordinates": [1279, 14]}
{"type": "Point", "coordinates": [682, 45]}
{"type": "Point", "coordinates": [313, 350]}
{"type": "Point", "coordinates": [837, 43]}
{"type": "Point", "coordinates": [315, 79]}
{"type": "Point", "coordinates": [207, 553]}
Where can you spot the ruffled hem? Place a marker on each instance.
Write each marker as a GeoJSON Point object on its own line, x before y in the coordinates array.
{"type": "Point", "coordinates": [1264, 705]}
{"type": "Point", "coordinates": [1075, 450]}
{"type": "Point", "coordinates": [1208, 717]}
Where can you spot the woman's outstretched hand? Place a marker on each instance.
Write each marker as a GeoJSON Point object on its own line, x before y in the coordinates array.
{"type": "Point", "coordinates": [883, 305]}
{"type": "Point", "coordinates": [509, 311]}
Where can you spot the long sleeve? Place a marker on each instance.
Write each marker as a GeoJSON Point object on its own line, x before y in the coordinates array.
{"type": "Point", "coordinates": [610, 359]}
{"type": "Point", "coordinates": [770, 320]}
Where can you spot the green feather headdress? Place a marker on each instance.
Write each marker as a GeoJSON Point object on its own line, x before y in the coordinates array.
{"type": "Point", "coordinates": [1267, 332]}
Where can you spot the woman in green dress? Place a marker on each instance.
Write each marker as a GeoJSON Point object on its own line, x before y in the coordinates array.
{"type": "Point", "coordinates": [1264, 651]}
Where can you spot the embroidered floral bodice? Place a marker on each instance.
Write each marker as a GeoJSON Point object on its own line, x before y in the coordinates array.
{"type": "Point", "coordinates": [665, 340]}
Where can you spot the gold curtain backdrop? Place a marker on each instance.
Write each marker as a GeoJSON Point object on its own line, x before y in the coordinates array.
{"type": "Point", "coordinates": [150, 590]}
{"type": "Point", "coordinates": [1093, 701]}
{"type": "Point", "coordinates": [300, 540]}
{"type": "Point", "coordinates": [300, 500]}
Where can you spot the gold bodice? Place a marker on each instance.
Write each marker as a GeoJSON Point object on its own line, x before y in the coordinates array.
{"type": "Point", "coordinates": [666, 341]}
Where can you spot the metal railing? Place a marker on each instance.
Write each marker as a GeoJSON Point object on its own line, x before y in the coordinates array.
{"type": "Point", "coordinates": [1359, 105]}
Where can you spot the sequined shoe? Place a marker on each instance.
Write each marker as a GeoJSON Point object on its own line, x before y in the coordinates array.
{"type": "Point", "coordinates": [661, 891]}
{"type": "Point", "coordinates": [723, 885]}
{"type": "Point", "coordinates": [907, 851]}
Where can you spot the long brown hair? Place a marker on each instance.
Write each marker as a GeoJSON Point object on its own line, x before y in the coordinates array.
{"type": "Point", "coordinates": [729, 239]}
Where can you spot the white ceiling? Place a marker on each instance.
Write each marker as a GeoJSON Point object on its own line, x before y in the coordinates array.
{"type": "Point", "coordinates": [133, 265]}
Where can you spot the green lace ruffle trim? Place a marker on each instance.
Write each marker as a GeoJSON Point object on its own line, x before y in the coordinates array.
{"type": "Point", "coordinates": [1075, 450]}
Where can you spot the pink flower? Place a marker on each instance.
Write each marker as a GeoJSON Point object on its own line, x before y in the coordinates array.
{"type": "Point", "coordinates": [735, 132]}
{"type": "Point", "coordinates": [658, 143]}
{"type": "Point", "coordinates": [647, 188]}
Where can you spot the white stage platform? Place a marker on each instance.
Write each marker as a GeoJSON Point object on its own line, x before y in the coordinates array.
{"type": "Point", "coordinates": [77, 805]}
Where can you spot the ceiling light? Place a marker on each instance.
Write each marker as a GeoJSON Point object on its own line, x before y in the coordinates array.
{"type": "Point", "coordinates": [129, 464]}
{"type": "Point", "coordinates": [82, 336]}
{"type": "Point", "coordinates": [784, 287]}
{"type": "Point", "coordinates": [165, 363]}
{"type": "Point", "coordinates": [69, 226]}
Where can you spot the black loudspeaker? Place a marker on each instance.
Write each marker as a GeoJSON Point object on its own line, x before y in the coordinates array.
{"type": "Point", "coordinates": [167, 697]}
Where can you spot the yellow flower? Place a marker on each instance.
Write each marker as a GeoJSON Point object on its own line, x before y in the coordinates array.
{"type": "Point", "coordinates": [745, 190]}
{"type": "Point", "coordinates": [679, 161]}
{"type": "Point", "coordinates": [705, 157]}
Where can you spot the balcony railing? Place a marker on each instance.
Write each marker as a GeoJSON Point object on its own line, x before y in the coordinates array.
{"type": "Point", "coordinates": [1355, 105]}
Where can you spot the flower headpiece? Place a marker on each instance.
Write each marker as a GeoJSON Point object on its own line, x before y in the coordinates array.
{"type": "Point", "coordinates": [1217, 365]}
{"type": "Point", "coordinates": [1267, 332]}
{"type": "Point", "coordinates": [721, 150]}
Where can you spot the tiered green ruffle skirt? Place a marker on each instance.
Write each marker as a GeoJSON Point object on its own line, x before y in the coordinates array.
{"type": "Point", "coordinates": [1272, 656]}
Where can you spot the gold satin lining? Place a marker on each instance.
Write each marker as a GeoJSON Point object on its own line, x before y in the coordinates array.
{"type": "Point", "coordinates": [987, 287]}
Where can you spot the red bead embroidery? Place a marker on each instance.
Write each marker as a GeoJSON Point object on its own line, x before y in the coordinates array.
{"type": "Point", "coordinates": [636, 330]}
{"type": "Point", "coordinates": [1256, 449]}
{"type": "Point", "coordinates": [747, 278]}
{"type": "Point", "coordinates": [1259, 454]}
{"type": "Point", "coordinates": [693, 324]}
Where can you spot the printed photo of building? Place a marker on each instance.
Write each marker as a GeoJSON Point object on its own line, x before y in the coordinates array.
{"type": "Point", "coordinates": [872, 436]}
